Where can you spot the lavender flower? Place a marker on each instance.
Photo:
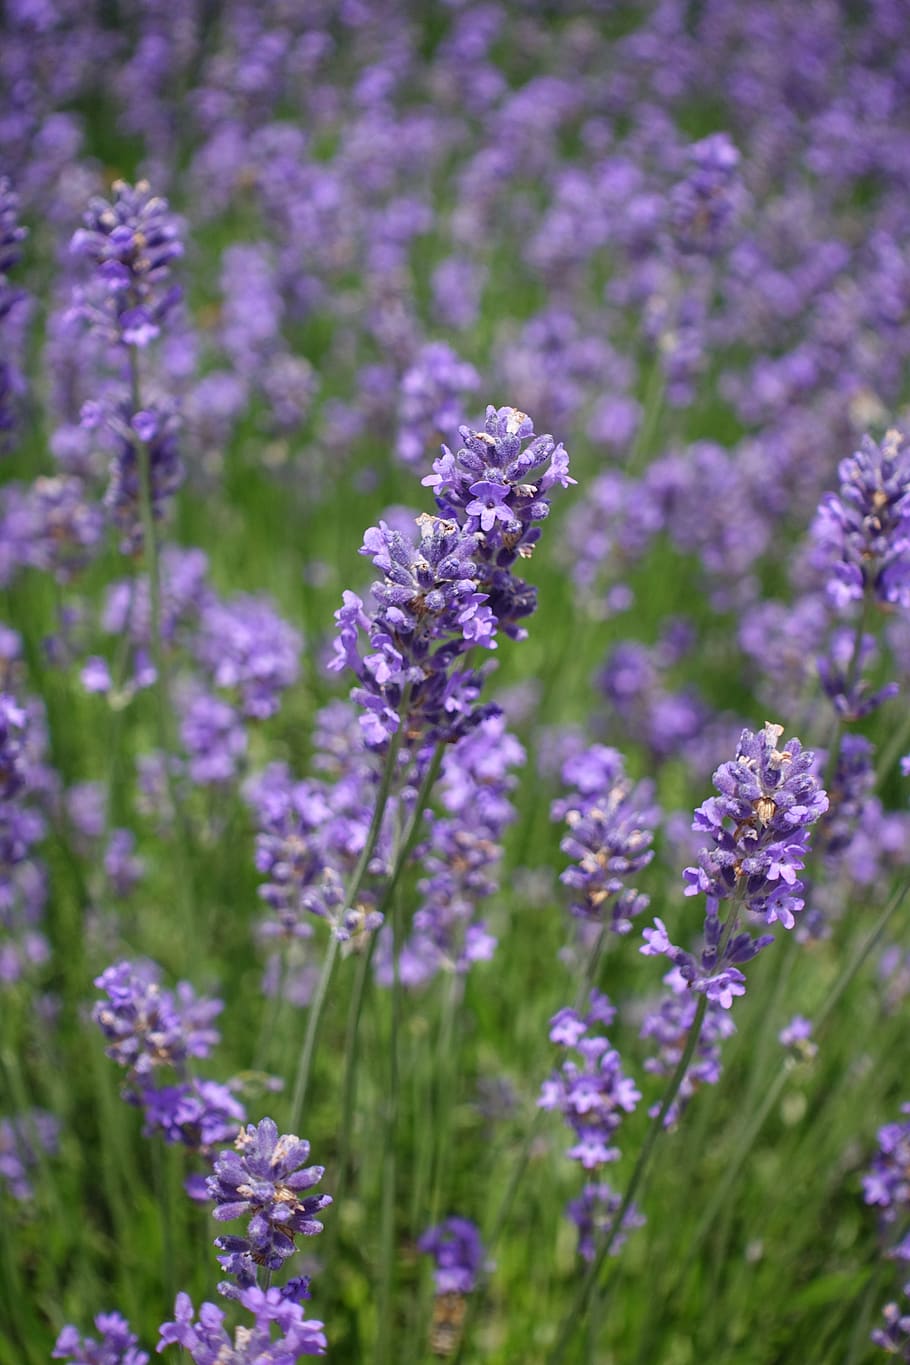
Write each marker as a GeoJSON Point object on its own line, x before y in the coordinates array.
{"type": "Point", "coordinates": [11, 237]}
{"type": "Point", "coordinates": [118, 1344]}
{"type": "Point", "coordinates": [148, 1027]}
{"type": "Point", "coordinates": [589, 1090]}
{"type": "Point", "coordinates": [248, 648]}
{"type": "Point", "coordinates": [454, 589]}
{"type": "Point", "coordinates": [22, 1140]}
{"type": "Point", "coordinates": [797, 1038]}
{"type": "Point", "coordinates": [894, 1334]}
{"type": "Point", "coordinates": [264, 1178]}
{"type": "Point", "coordinates": [594, 1212]}
{"type": "Point", "coordinates": [861, 534]}
{"type": "Point", "coordinates": [495, 486]}
{"type": "Point", "coordinates": [759, 827]}
{"type": "Point", "coordinates": [611, 822]}
{"type": "Point", "coordinates": [431, 400]}
{"type": "Point", "coordinates": [197, 1114]}
{"type": "Point", "coordinates": [887, 1184]}
{"type": "Point", "coordinates": [458, 1252]}
{"type": "Point", "coordinates": [131, 241]}
{"type": "Point", "coordinates": [668, 1024]}
{"type": "Point", "coordinates": [208, 1342]}
{"type": "Point", "coordinates": [704, 206]}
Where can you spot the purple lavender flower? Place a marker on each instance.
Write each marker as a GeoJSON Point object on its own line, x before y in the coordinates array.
{"type": "Point", "coordinates": [431, 400]}
{"type": "Point", "coordinates": [589, 1090]}
{"type": "Point", "coordinates": [495, 486]}
{"type": "Point", "coordinates": [118, 1344]}
{"type": "Point", "coordinates": [214, 739]}
{"type": "Point", "coordinates": [12, 236]}
{"type": "Point", "coordinates": [20, 1141]}
{"type": "Point", "coordinates": [197, 1114]}
{"type": "Point", "coordinates": [208, 1342]}
{"type": "Point", "coordinates": [797, 1038]}
{"type": "Point", "coordinates": [454, 589]}
{"type": "Point", "coordinates": [264, 1178]}
{"type": "Point", "coordinates": [887, 1184]}
{"type": "Point", "coordinates": [157, 431]}
{"type": "Point", "coordinates": [593, 1213]}
{"type": "Point", "coordinates": [759, 827]}
{"type": "Point", "coordinates": [248, 648]}
{"type": "Point", "coordinates": [861, 534]}
{"type": "Point", "coordinates": [894, 1334]}
{"type": "Point", "coordinates": [669, 1023]}
{"type": "Point", "coordinates": [458, 1252]}
{"type": "Point", "coordinates": [131, 241]}
{"type": "Point", "coordinates": [611, 824]}
{"type": "Point", "coordinates": [124, 870]}
{"type": "Point", "coordinates": [148, 1027]}
{"type": "Point", "coordinates": [704, 206]}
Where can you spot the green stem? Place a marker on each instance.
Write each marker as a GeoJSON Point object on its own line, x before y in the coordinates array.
{"type": "Point", "coordinates": [387, 1258]}
{"type": "Point", "coordinates": [580, 1303]}
{"type": "Point", "coordinates": [305, 1063]}
{"type": "Point", "coordinates": [163, 708]}
{"type": "Point", "coordinates": [355, 1008]}
{"type": "Point", "coordinates": [446, 1075]}
{"type": "Point", "coordinates": [755, 1122]}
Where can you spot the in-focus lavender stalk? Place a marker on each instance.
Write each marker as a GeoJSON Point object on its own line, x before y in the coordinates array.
{"type": "Point", "coordinates": [758, 826]}
{"type": "Point", "coordinates": [151, 1031]}
{"type": "Point", "coordinates": [264, 1179]}
{"type": "Point", "coordinates": [207, 1341]}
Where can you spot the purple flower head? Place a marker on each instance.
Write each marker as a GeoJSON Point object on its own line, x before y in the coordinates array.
{"type": "Point", "coordinates": [214, 739]}
{"type": "Point", "coordinates": [668, 1023]}
{"type": "Point", "coordinates": [196, 1114]}
{"type": "Point", "coordinates": [861, 534]}
{"type": "Point", "coordinates": [456, 1248]}
{"type": "Point", "coordinates": [611, 824]}
{"type": "Point", "coordinates": [264, 1179]}
{"type": "Point", "coordinates": [248, 648]}
{"type": "Point", "coordinates": [207, 1341]}
{"type": "Point", "coordinates": [148, 1027]}
{"type": "Point", "coordinates": [431, 400]}
{"type": "Point", "coordinates": [589, 1090]}
{"type": "Point", "coordinates": [705, 205]}
{"type": "Point", "coordinates": [132, 242]}
{"type": "Point", "coordinates": [157, 431]}
{"type": "Point", "coordinates": [893, 1336]}
{"type": "Point", "coordinates": [118, 1345]}
{"type": "Point", "coordinates": [797, 1038]}
{"type": "Point", "coordinates": [13, 740]}
{"type": "Point", "coordinates": [887, 1183]}
{"type": "Point", "coordinates": [22, 1140]}
{"type": "Point", "coordinates": [594, 1212]}
{"type": "Point", "coordinates": [12, 235]}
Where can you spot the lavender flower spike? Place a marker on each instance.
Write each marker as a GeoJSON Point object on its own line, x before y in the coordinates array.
{"type": "Point", "coordinates": [759, 831]}
{"type": "Point", "coordinates": [118, 1345]}
{"type": "Point", "coordinates": [263, 1179]}
{"type": "Point", "coordinates": [861, 534]}
{"type": "Point", "coordinates": [208, 1343]}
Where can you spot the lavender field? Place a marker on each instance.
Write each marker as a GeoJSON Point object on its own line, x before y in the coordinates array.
{"type": "Point", "coordinates": [454, 673]}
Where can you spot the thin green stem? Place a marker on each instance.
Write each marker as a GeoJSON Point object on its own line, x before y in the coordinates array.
{"type": "Point", "coordinates": [304, 1065]}
{"type": "Point", "coordinates": [580, 1303]}
{"type": "Point", "coordinates": [387, 1258]}
{"type": "Point", "coordinates": [754, 1123]}
{"type": "Point", "coordinates": [446, 1076]}
{"type": "Point", "coordinates": [355, 1008]}
{"type": "Point", "coordinates": [163, 709]}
